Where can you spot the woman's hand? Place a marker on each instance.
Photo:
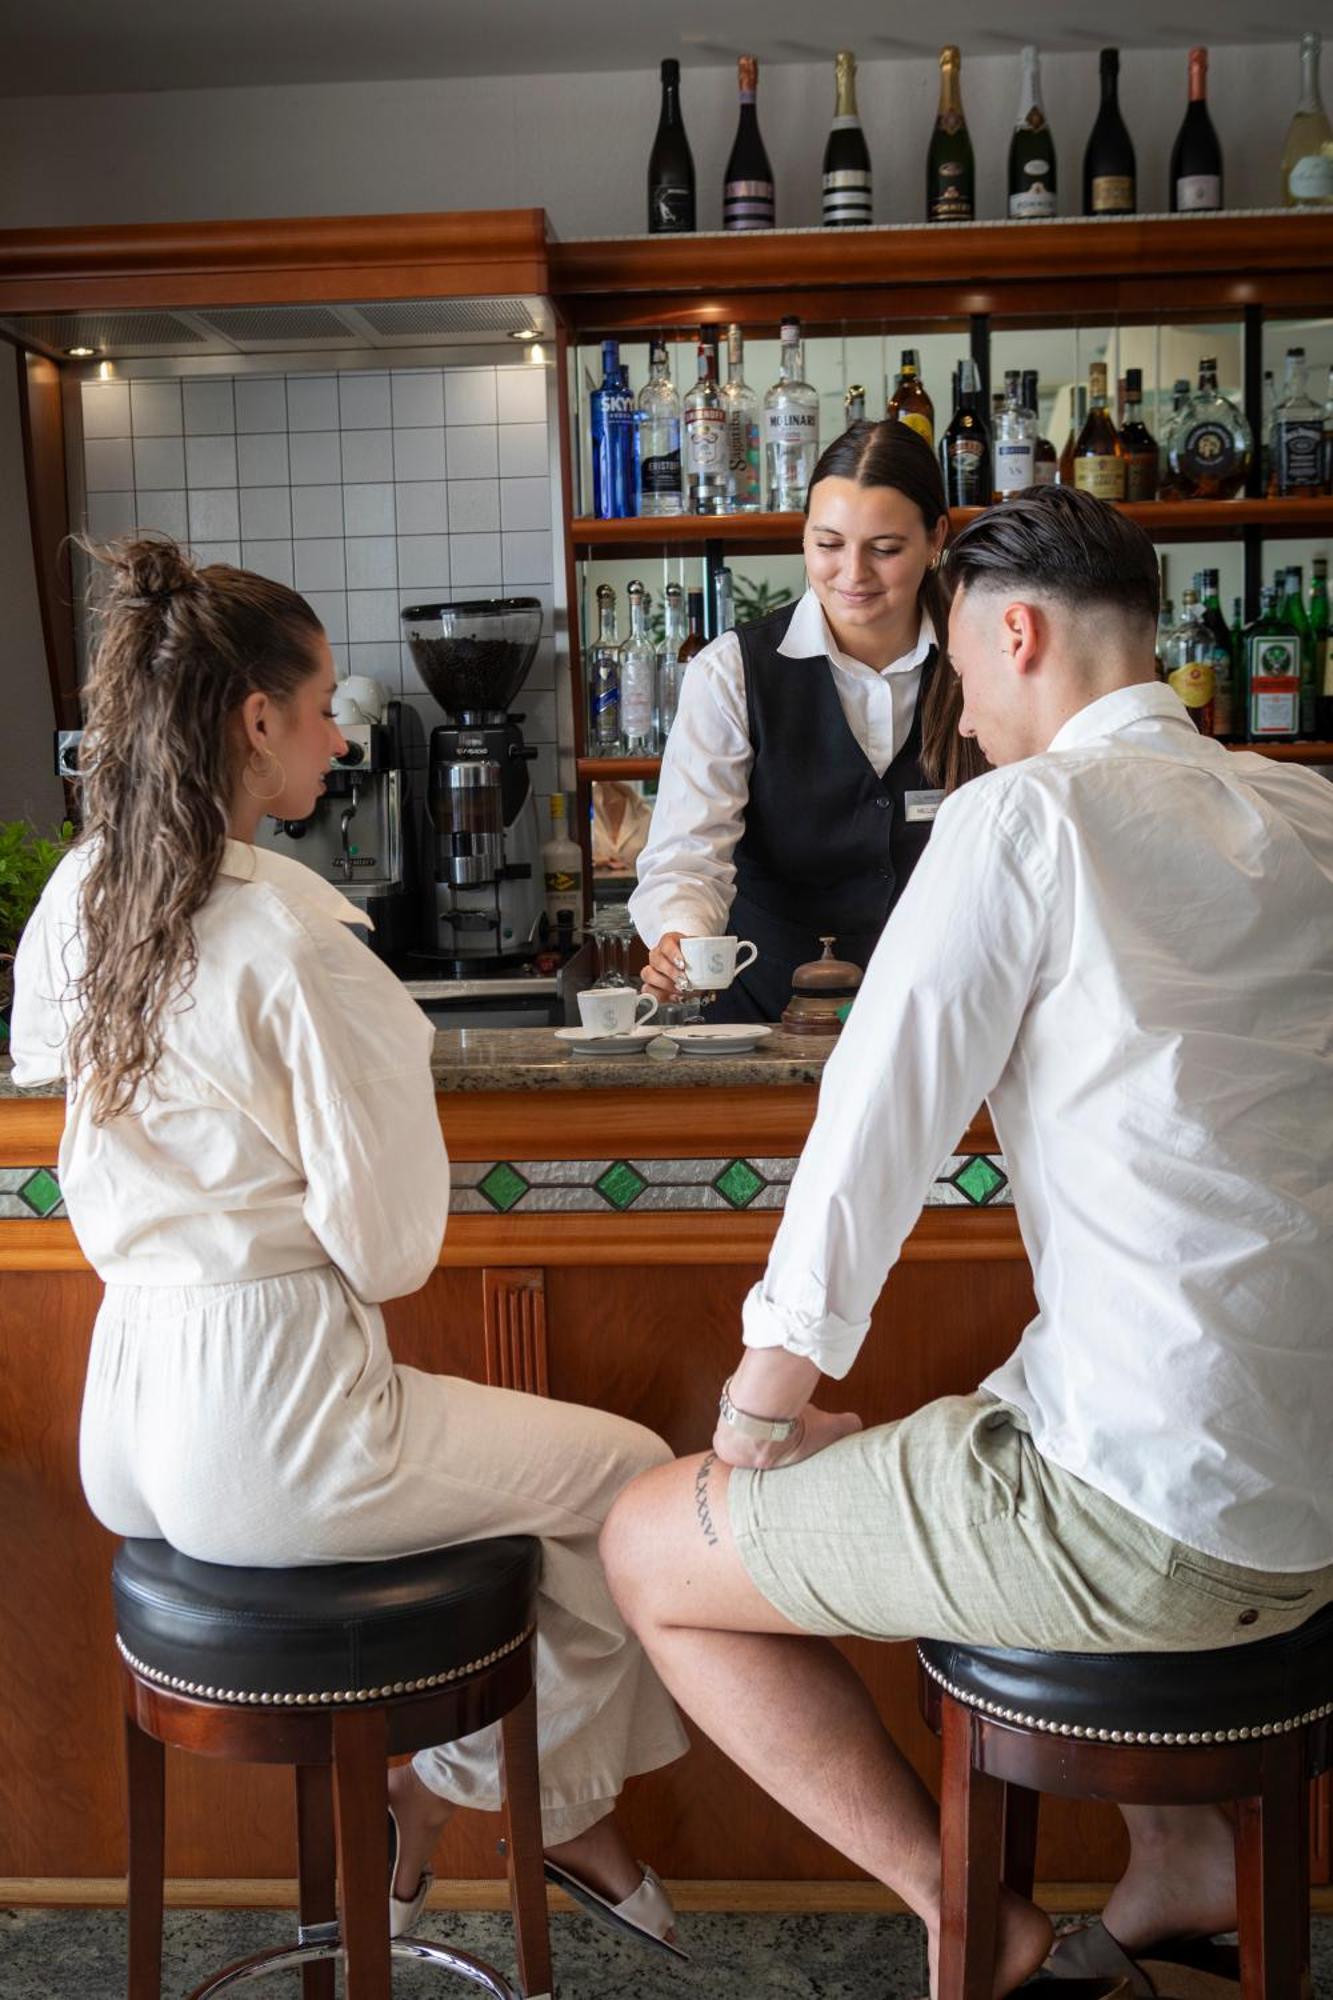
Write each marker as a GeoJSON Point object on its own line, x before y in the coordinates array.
{"type": "Point", "coordinates": [664, 974]}
{"type": "Point", "coordinates": [819, 1429]}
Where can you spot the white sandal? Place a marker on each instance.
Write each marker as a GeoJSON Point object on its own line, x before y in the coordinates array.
{"type": "Point", "coordinates": [404, 1915]}
{"type": "Point", "coordinates": [645, 1914]}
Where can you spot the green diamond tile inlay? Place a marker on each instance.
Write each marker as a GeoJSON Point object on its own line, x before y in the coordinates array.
{"type": "Point", "coordinates": [41, 1192]}
{"type": "Point", "coordinates": [980, 1179]}
{"type": "Point", "coordinates": [738, 1183]}
{"type": "Point", "coordinates": [621, 1185]}
{"type": "Point", "coordinates": [503, 1186]}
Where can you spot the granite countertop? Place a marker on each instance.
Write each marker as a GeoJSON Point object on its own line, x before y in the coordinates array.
{"type": "Point", "coordinates": [532, 1059]}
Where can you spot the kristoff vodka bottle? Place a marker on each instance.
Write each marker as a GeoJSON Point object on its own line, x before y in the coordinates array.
{"type": "Point", "coordinates": [791, 427]}
{"type": "Point", "coordinates": [604, 679]}
{"type": "Point", "coordinates": [638, 679]}
{"type": "Point", "coordinates": [744, 479]}
{"type": "Point", "coordinates": [660, 476]}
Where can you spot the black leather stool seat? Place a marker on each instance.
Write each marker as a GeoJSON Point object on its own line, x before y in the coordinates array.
{"type": "Point", "coordinates": [328, 1634]}
{"type": "Point", "coordinates": [1237, 1692]}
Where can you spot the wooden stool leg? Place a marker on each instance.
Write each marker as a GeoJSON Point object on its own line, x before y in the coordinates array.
{"type": "Point", "coordinates": [1273, 1877]}
{"type": "Point", "coordinates": [1021, 1807]}
{"type": "Point", "coordinates": [317, 1868]}
{"type": "Point", "coordinates": [145, 1763]}
{"type": "Point", "coordinates": [971, 1832]}
{"type": "Point", "coordinates": [361, 1795]}
{"type": "Point", "coordinates": [523, 1846]}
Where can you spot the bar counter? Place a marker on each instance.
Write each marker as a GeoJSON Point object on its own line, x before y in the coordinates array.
{"type": "Point", "coordinates": [607, 1219]}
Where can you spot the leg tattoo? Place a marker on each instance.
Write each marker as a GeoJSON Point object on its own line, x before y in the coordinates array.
{"type": "Point", "coordinates": [701, 1506]}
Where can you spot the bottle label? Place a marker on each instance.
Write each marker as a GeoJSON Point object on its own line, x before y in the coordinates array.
{"type": "Point", "coordinates": [743, 460]}
{"type": "Point", "coordinates": [847, 198]}
{"type": "Point", "coordinates": [1141, 476]}
{"type": "Point", "coordinates": [1102, 476]}
{"type": "Point", "coordinates": [747, 205]}
{"type": "Point", "coordinates": [1198, 191]}
{"type": "Point", "coordinates": [661, 476]}
{"type": "Point", "coordinates": [1311, 179]}
{"type": "Point", "coordinates": [1298, 449]}
{"type": "Point", "coordinates": [706, 440]}
{"type": "Point", "coordinates": [562, 882]}
{"type": "Point", "coordinates": [1034, 201]}
{"type": "Point", "coordinates": [1013, 467]}
{"type": "Point", "coordinates": [916, 421]}
{"type": "Point", "coordinates": [791, 427]}
{"type": "Point", "coordinates": [1208, 450]}
{"type": "Point", "coordinates": [1275, 685]}
{"type": "Point", "coordinates": [847, 177]}
{"type": "Point", "coordinates": [967, 462]}
{"type": "Point", "coordinates": [1113, 194]}
{"type": "Point", "coordinates": [672, 211]}
{"type": "Point", "coordinates": [1193, 682]}
{"type": "Point", "coordinates": [1044, 471]}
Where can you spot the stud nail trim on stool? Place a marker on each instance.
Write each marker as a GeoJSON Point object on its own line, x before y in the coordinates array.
{"type": "Point", "coordinates": [326, 1698]}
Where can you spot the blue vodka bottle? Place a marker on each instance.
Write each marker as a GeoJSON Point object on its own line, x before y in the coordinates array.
{"type": "Point", "coordinates": [612, 411]}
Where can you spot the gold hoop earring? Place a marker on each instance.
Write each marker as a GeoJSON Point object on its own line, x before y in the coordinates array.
{"type": "Point", "coordinates": [935, 563]}
{"type": "Point", "coordinates": [255, 770]}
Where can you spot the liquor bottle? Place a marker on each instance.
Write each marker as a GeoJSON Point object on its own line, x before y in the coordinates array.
{"type": "Point", "coordinates": [724, 603]}
{"type": "Point", "coordinates": [1138, 446]}
{"type": "Point", "coordinates": [1328, 436]}
{"type": "Point", "coordinates": [1196, 157]}
{"type": "Point", "coordinates": [791, 427]}
{"type": "Point", "coordinates": [1210, 445]}
{"type": "Point", "coordinates": [1109, 186]}
{"type": "Point", "coordinates": [747, 191]}
{"type": "Point", "coordinates": [1307, 157]}
{"type": "Point", "coordinates": [1322, 632]}
{"type": "Point", "coordinates": [1078, 417]}
{"type": "Point", "coordinates": [1288, 595]}
{"type": "Point", "coordinates": [950, 170]}
{"type": "Point", "coordinates": [1191, 664]}
{"type": "Point", "coordinates": [695, 638]}
{"type": "Point", "coordinates": [668, 660]}
{"type": "Point", "coordinates": [614, 467]}
{"type": "Point", "coordinates": [1166, 625]}
{"type": "Point", "coordinates": [670, 164]}
{"type": "Point", "coordinates": [1225, 724]}
{"type": "Point", "coordinates": [1298, 433]}
{"type": "Point", "coordinates": [1268, 476]}
{"type": "Point", "coordinates": [1098, 467]}
{"type": "Point", "coordinates": [909, 402]}
{"type": "Point", "coordinates": [848, 196]}
{"type": "Point", "coordinates": [1015, 440]}
{"type": "Point", "coordinates": [965, 447]}
{"type": "Point", "coordinates": [1272, 676]}
{"type": "Point", "coordinates": [661, 481]}
{"type": "Point", "coordinates": [562, 868]}
{"type": "Point", "coordinates": [745, 486]}
{"type": "Point", "coordinates": [638, 678]}
{"type": "Point", "coordinates": [1031, 150]}
{"type": "Point", "coordinates": [853, 405]}
{"type": "Point", "coordinates": [1167, 488]}
{"type": "Point", "coordinates": [706, 433]}
{"type": "Point", "coordinates": [604, 679]}
{"type": "Point", "coordinates": [1045, 459]}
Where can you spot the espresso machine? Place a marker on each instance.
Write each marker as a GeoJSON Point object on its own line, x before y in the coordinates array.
{"type": "Point", "coordinates": [488, 900]}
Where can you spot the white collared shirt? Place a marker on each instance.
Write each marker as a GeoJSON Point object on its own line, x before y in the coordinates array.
{"type": "Point", "coordinates": [686, 874]}
{"type": "Point", "coordinates": [291, 1122]}
{"type": "Point", "coordinates": [1125, 945]}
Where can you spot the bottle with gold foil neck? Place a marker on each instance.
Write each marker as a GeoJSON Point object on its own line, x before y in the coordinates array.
{"type": "Point", "coordinates": [950, 169]}
{"type": "Point", "coordinates": [1099, 468]}
{"type": "Point", "coordinates": [848, 193]}
{"type": "Point", "coordinates": [748, 200]}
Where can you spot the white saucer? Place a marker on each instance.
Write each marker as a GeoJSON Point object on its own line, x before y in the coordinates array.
{"type": "Point", "coordinates": [719, 1038]}
{"type": "Point", "coordinates": [592, 1042]}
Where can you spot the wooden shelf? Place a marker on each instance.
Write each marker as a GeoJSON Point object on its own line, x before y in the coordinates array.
{"type": "Point", "coordinates": [648, 767]}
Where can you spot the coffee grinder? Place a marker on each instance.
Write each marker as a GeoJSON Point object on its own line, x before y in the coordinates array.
{"type": "Point", "coordinates": [473, 658]}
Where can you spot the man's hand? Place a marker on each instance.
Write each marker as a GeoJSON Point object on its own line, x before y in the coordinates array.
{"type": "Point", "coordinates": [819, 1429]}
{"type": "Point", "coordinates": [664, 974]}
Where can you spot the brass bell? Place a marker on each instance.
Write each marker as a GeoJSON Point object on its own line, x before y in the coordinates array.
{"type": "Point", "coordinates": [822, 992]}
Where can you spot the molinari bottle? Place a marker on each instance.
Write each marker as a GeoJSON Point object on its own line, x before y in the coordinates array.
{"type": "Point", "coordinates": [1108, 162]}
{"type": "Point", "coordinates": [1224, 710]}
{"type": "Point", "coordinates": [909, 402]}
{"type": "Point", "coordinates": [950, 170]}
{"type": "Point", "coordinates": [1196, 158]}
{"type": "Point", "coordinates": [1031, 150]}
{"type": "Point", "coordinates": [670, 164]}
{"type": "Point", "coordinates": [965, 447]}
{"type": "Point", "coordinates": [1307, 157]}
{"type": "Point", "coordinates": [1098, 467]}
{"type": "Point", "coordinates": [660, 477]}
{"type": "Point", "coordinates": [747, 190]}
{"type": "Point", "coordinates": [791, 427]}
{"type": "Point", "coordinates": [848, 194]}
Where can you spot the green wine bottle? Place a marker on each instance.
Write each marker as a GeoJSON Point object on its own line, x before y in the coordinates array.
{"type": "Point", "coordinates": [950, 169]}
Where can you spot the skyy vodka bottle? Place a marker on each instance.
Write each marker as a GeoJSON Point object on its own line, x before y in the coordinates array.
{"type": "Point", "coordinates": [791, 427]}
{"type": "Point", "coordinates": [614, 471]}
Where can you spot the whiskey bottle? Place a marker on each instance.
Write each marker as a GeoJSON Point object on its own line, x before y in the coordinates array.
{"type": "Point", "coordinates": [1307, 157]}
{"type": "Point", "coordinates": [706, 432]}
{"type": "Point", "coordinates": [1138, 446]}
{"type": "Point", "coordinates": [604, 679]}
{"type": "Point", "coordinates": [1210, 444]}
{"type": "Point", "coordinates": [670, 164]}
{"type": "Point", "coordinates": [741, 407]}
{"type": "Point", "coordinates": [1191, 664]}
{"type": "Point", "coordinates": [1031, 150]}
{"type": "Point", "coordinates": [1045, 459]}
{"type": "Point", "coordinates": [660, 476]}
{"type": "Point", "coordinates": [950, 170]}
{"type": "Point", "coordinates": [1015, 441]}
{"type": "Point", "coordinates": [1109, 186]}
{"type": "Point", "coordinates": [909, 402]}
{"type": "Point", "coordinates": [1078, 417]}
{"type": "Point", "coordinates": [695, 638]}
{"type": "Point", "coordinates": [1298, 433]}
{"type": "Point", "coordinates": [1196, 158]}
{"type": "Point", "coordinates": [1272, 676]}
{"type": "Point", "coordinates": [638, 678]}
{"type": "Point", "coordinates": [848, 194]}
{"type": "Point", "coordinates": [965, 455]}
{"type": "Point", "coordinates": [748, 200]}
{"type": "Point", "coordinates": [1099, 468]}
{"type": "Point", "coordinates": [791, 427]}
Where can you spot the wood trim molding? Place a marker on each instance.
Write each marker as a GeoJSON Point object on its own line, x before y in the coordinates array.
{"type": "Point", "coordinates": [513, 1305]}
{"type": "Point", "coordinates": [42, 423]}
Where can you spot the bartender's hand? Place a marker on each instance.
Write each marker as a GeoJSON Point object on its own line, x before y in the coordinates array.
{"type": "Point", "coordinates": [664, 974]}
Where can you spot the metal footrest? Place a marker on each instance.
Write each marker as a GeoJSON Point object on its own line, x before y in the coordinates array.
{"type": "Point", "coordinates": [319, 1941]}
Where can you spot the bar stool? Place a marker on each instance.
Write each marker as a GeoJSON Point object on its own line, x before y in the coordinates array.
{"type": "Point", "coordinates": [1248, 1724]}
{"type": "Point", "coordinates": [332, 1669]}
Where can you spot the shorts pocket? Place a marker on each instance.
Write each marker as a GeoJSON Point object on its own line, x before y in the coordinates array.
{"type": "Point", "coordinates": [1259, 1593]}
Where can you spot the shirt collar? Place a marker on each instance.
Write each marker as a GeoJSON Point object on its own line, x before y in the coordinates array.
{"type": "Point", "coordinates": [247, 863]}
{"type": "Point", "coordinates": [808, 635]}
{"type": "Point", "coordinates": [1111, 713]}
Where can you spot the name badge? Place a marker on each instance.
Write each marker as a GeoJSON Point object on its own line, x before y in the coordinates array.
{"type": "Point", "coordinates": [922, 805]}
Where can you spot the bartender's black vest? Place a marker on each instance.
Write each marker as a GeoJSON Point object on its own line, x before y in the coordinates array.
{"type": "Point", "coordinates": [827, 847]}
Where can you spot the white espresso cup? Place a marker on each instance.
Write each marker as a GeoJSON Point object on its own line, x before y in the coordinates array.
{"type": "Point", "coordinates": [713, 962]}
{"type": "Point", "coordinates": [614, 1010]}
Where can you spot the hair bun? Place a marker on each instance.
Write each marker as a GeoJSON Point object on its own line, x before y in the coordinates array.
{"type": "Point", "coordinates": [149, 571]}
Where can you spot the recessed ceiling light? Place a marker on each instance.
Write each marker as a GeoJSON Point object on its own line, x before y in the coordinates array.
{"type": "Point", "coordinates": [528, 333]}
{"type": "Point", "coordinates": [80, 353]}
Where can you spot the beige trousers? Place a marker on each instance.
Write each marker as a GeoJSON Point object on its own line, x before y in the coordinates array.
{"type": "Point", "coordinates": [265, 1423]}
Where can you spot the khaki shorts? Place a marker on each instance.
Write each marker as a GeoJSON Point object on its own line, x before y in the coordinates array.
{"type": "Point", "coordinates": [951, 1525]}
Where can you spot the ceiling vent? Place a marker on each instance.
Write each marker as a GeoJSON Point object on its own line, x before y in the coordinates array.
{"type": "Point", "coordinates": [434, 319]}
{"type": "Point", "coordinates": [272, 326]}
{"type": "Point", "coordinates": [106, 333]}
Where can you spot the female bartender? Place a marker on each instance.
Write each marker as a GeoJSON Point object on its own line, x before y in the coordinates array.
{"type": "Point", "coordinates": [812, 747]}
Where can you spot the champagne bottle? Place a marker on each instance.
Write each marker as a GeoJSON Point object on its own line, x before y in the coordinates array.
{"type": "Point", "coordinates": [1109, 186]}
{"type": "Point", "coordinates": [747, 193]}
{"type": "Point", "coordinates": [1196, 157]}
{"type": "Point", "coordinates": [1098, 466]}
{"type": "Point", "coordinates": [1031, 150]}
{"type": "Point", "coordinates": [848, 198]}
{"type": "Point", "coordinates": [950, 170]}
{"type": "Point", "coordinates": [1307, 157]}
{"type": "Point", "coordinates": [670, 164]}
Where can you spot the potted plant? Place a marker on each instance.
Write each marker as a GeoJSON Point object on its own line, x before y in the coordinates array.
{"type": "Point", "coordinates": [26, 861]}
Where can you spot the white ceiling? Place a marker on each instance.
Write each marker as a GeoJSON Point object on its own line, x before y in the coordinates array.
{"type": "Point", "coordinates": [72, 47]}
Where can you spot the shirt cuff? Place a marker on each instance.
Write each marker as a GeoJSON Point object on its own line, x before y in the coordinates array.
{"type": "Point", "coordinates": [831, 1343]}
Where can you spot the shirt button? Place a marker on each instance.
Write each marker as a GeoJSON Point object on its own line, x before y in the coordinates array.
{"type": "Point", "coordinates": [883, 802]}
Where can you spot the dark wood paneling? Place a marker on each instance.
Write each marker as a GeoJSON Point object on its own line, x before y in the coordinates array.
{"type": "Point", "coordinates": [43, 426]}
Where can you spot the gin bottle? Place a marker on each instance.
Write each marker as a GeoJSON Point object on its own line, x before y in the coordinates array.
{"type": "Point", "coordinates": [604, 679]}
{"type": "Point", "coordinates": [741, 404]}
{"type": "Point", "coordinates": [660, 477]}
{"type": "Point", "coordinates": [638, 678]}
{"type": "Point", "coordinates": [706, 433]}
{"type": "Point", "coordinates": [1298, 433]}
{"type": "Point", "coordinates": [669, 667]}
{"type": "Point", "coordinates": [791, 427]}
{"type": "Point", "coordinates": [1015, 441]}
{"type": "Point", "coordinates": [612, 412]}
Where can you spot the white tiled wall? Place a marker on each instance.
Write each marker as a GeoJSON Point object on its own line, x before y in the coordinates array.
{"type": "Point", "coordinates": [368, 491]}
